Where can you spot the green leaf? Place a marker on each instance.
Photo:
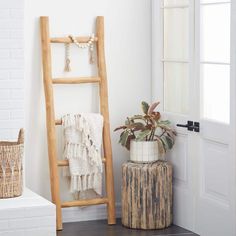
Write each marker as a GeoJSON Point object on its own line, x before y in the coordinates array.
{"type": "Point", "coordinates": [138, 117]}
{"type": "Point", "coordinates": [137, 126]}
{"type": "Point", "coordinates": [127, 121]}
{"type": "Point", "coordinates": [163, 144]}
{"type": "Point", "coordinates": [171, 134]}
{"type": "Point", "coordinates": [145, 107]}
{"type": "Point", "coordinates": [123, 138]}
{"type": "Point", "coordinates": [169, 141]}
{"type": "Point", "coordinates": [164, 122]}
{"type": "Point", "coordinates": [165, 127]}
{"type": "Point", "coordinates": [128, 141]}
{"type": "Point", "coordinates": [142, 135]}
{"type": "Point", "coordinates": [160, 146]}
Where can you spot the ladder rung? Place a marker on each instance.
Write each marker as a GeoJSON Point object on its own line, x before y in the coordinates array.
{"type": "Point", "coordinates": [68, 40]}
{"type": "Point", "coordinates": [79, 80]}
{"type": "Point", "coordinates": [62, 163]}
{"type": "Point", "coordinates": [58, 122]}
{"type": "Point", "coordinates": [87, 202]}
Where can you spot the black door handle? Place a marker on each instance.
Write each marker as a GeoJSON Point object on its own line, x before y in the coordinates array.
{"type": "Point", "coordinates": [191, 126]}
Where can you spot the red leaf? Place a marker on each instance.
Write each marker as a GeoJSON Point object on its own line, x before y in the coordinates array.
{"type": "Point", "coordinates": [153, 107]}
{"type": "Point", "coordinates": [120, 127]}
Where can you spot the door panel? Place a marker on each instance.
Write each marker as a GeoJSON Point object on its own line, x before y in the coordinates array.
{"type": "Point", "coordinates": [215, 175]}
{"type": "Point", "coordinates": [182, 182]}
{"type": "Point", "coordinates": [215, 20]}
{"type": "Point", "coordinates": [215, 225]}
{"type": "Point", "coordinates": [215, 80]}
{"type": "Point", "coordinates": [179, 158]}
{"type": "Point", "coordinates": [176, 25]}
{"type": "Point", "coordinates": [176, 77]}
{"type": "Point", "coordinates": [215, 131]}
{"type": "Point", "coordinates": [192, 74]}
{"type": "Point", "coordinates": [214, 212]}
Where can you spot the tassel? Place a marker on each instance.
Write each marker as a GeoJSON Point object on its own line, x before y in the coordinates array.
{"type": "Point", "coordinates": [67, 66]}
{"type": "Point", "coordinates": [67, 58]}
{"type": "Point", "coordinates": [91, 58]}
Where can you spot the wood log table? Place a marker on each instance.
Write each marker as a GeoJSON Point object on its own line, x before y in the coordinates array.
{"type": "Point", "coordinates": [147, 195]}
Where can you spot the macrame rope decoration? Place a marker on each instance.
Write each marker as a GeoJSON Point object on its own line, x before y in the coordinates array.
{"type": "Point", "coordinates": [88, 45]}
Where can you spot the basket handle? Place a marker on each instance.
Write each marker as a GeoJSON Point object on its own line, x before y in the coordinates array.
{"type": "Point", "coordinates": [21, 136]}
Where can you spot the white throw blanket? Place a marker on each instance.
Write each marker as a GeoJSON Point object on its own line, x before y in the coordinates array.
{"type": "Point", "coordinates": [83, 141]}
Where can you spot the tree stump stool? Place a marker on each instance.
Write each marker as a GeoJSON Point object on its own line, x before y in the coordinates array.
{"type": "Point", "coordinates": [147, 195]}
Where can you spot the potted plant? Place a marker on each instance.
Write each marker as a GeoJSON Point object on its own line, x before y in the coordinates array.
{"type": "Point", "coordinates": [147, 136]}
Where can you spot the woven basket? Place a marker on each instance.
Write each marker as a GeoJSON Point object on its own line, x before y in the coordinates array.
{"type": "Point", "coordinates": [11, 156]}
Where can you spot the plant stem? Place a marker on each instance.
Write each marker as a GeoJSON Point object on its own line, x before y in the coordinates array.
{"type": "Point", "coordinates": [151, 135]}
{"type": "Point", "coordinates": [163, 133]}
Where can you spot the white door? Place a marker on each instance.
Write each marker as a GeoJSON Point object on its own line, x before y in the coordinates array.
{"type": "Point", "coordinates": [192, 76]}
{"type": "Point", "coordinates": [215, 175]}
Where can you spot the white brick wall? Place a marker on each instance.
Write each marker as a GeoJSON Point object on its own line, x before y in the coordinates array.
{"type": "Point", "coordinates": [11, 68]}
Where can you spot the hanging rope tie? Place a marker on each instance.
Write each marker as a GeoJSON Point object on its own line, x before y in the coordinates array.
{"type": "Point", "coordinates": [88, 45]}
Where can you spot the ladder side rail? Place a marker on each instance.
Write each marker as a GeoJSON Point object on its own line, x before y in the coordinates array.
{"type": "Point", "coordinates": [50, 117]}
{"type": "Point", "coordinates": [106, 129]}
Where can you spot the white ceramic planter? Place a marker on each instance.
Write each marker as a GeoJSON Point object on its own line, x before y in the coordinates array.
{"type": "Point", "coordinates": [144, 151]}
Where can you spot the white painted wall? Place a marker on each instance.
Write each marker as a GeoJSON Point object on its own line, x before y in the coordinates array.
{"type": "Point", "coordinates": [128, 54]}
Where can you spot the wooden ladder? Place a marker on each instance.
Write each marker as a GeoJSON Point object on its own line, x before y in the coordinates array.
{"type": "Point", "coordinates": [54, 163]}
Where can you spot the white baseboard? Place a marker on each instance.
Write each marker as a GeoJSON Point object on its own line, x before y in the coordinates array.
{"type": "Point", "coordinates": [98, 212]}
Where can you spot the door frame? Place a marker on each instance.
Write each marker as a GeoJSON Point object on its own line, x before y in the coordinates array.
{"type": "Point", "coordinates": [232, 143]}
{"type": "Point", "coordinates": [157, 84]}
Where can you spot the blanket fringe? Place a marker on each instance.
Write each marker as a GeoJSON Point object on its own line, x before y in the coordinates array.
{"type": "Point", "coordinates": [83, 153]}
